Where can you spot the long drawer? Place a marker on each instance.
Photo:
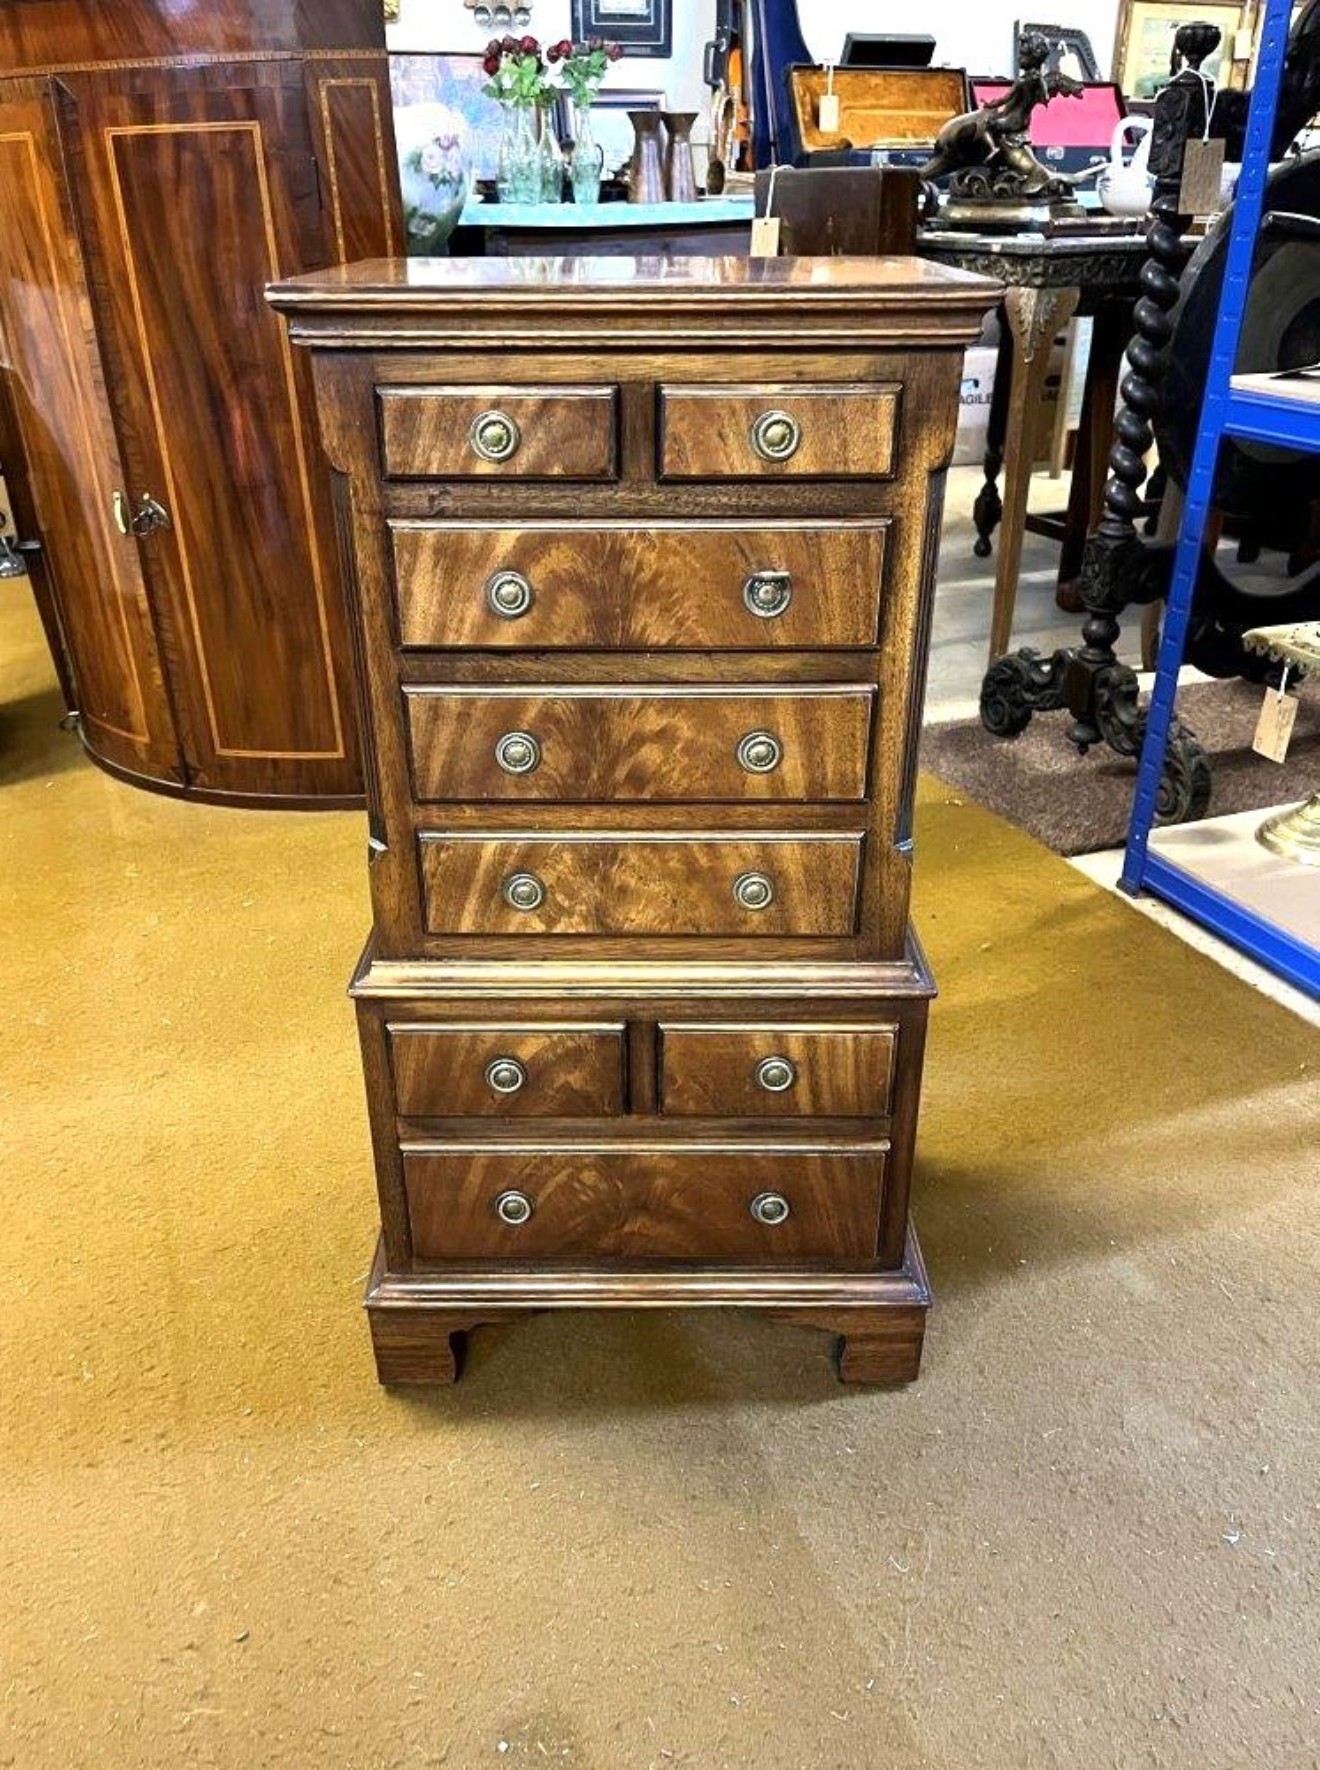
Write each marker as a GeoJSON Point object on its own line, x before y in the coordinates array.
{"type": "Point", "coordinates": [698, 883]}
{"type": "Point", "coordinates": [570, 1071]}
{"type": "Point", "coordinates": [792, 432]}
{"type": "Point", "coordinates": [778, 1071]}
{"type": "Point", "coordinates": [650, 743]}
{"type": "Point", "coordinates": [608, 1202]}
{"type": "Point", "coordinates": [723, 586]}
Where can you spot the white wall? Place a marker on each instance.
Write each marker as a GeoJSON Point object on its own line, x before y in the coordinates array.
{"type": "Point", "coordinates": [975, 34]}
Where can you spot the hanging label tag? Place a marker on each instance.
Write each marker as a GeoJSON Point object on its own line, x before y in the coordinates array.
{"type": "Point", "coordinates": [765, 236]}
{"type": "Point", "coordinates": [829, 113]}
{"type": "Point", "coordinates": [1202, 177]}
{"type": "Point", "coordinates": [1274, 728]}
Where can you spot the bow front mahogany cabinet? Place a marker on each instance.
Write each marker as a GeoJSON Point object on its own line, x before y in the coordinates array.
{"type": "Point", "coordinates": [642, 555]}
{"type": "Point", "coordinates": [159, 164]}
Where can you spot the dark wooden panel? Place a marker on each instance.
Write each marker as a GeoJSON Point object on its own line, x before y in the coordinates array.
{"type": "Point", "coordinates": [660, 744]}
{"type": "Point", "coordinates": [58, 396]}
{"type": "Point", "coordinates": [644, 1204]}
{"type": "Point", "coordinates": [354, 133]}
{"type": "Point", "coordinates": [845, 432]}
{"type": "Point", "coordinates": [631, 885]}
{"type": "Point", "coordinates": [835, 574]}
{"type": "Point", "coordinates": [835, 1071]}
{"type": "Point", "coordinates": [567, 1071]}
{"type": "Point", "coordinates": [61, 33]}
{"type": "Point", "coordinates": [245, 577]}
{"type": "Point", "coordinates": [556, 432]}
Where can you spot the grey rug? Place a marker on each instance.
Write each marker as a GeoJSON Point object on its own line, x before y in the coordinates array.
{"type": "Point", "coordinates": [1077, 804]}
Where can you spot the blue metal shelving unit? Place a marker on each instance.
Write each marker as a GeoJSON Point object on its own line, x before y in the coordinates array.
{"type": "Point", "coordinates": [1261, 416]}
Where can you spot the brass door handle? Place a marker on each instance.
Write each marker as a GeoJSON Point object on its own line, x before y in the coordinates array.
{"type": "Point", "coordinates": [149, 516]}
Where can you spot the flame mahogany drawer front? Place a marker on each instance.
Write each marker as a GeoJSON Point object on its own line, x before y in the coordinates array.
{"type": "Point", "coordinates": [811, 585]}
{"type": "Point", "coordinates": [602, 1202]}
{"type": "Point", "coordinates": [662, 744]}
{"type": "Point", "coordinates": [778, 432]}
{"type": "Point", "coordinates": [790, 1071]}
{"type": "Point", "coordinates": [570, 1071]}
{"type": "Point", "coordinates": [725, 883]}
{"type": "Point", "coordinates": [498, 432]}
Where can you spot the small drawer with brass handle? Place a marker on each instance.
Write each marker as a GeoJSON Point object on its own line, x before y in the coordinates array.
{"type": "Point", "coordinates": [689, 883]}
{"type": "Point", "coordinates": [807, 432]}
{"type": "Point", "coordinates": [755, 1071]}
{"type": "Point", "coordinates": [553, 1070]}
{"type": "Point", "coordinates": [498, 432]}
{"type": "Point", "coordinates": [630, 1199]}
{"type": "Point", "coordinates": [654, 743]}
{"type": "Point", "coordinates": [805, 585]}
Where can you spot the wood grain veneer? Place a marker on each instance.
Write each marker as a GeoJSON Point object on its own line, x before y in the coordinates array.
{"type": "Point", "coordinates": [616, 744]}
{"type": "Point", "coordinates": [835, 572]}
{"type": "Point", "coordinates": [562, 818]}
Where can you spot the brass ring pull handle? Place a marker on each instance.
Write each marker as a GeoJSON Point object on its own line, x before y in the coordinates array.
{"type": "Point", "coordinates": [770, 1208]}
{"type": "Point", "coordinates": [513, 1208]}
{"type": "Point", "coordinates": [776, 1074]}
{"type": "Point", "coordinates": [518, 752]}
{"type": "Point", "coordinates": [776, 436]}
{"type": "Point", "coordinates": [760, 752]}
{"type": "Point", "coordinates": [494, 436]}
{"type": "Point", "coordinates": [768, 594]}
{"type": "Point", "coordinates": [509, 595]}
{"type": "Point", "coordinates": [524, 891]}
{"type": "Point", "coordinates": [505, 1075]}
{"type": "Point", "coordinates": [754, 891]}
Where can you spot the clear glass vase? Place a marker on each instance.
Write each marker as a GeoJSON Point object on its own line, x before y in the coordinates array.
{"type": "Point", "coordinates": [519, 175]}
{"type": "Point", "coordinates": [551, 159]}
{"type": "Point", "coordinates": [586, 160]}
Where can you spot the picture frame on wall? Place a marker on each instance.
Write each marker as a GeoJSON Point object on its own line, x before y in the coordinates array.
{"type": "Point", "coordinates": [640, 27]}
{"type": "Point", "coordinates": [1144, 42]}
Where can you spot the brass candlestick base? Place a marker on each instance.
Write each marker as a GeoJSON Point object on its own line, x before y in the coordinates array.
{"type": "Point", "coordinates": [1295, 834]}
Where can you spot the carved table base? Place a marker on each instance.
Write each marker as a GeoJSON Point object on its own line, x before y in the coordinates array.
{"type": "Point", "coordinates": [420, 1321]}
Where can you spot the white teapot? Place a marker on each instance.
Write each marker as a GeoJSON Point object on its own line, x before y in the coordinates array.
{"type": "Point", "coordinates": [1126, 188]}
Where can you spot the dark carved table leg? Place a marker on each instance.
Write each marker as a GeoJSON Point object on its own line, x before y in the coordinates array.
{"type": "Point", "coordinates": [988, 510]}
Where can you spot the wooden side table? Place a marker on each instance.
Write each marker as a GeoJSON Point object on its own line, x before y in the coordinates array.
{"type": "Point", "coordinates": [1047, 281]}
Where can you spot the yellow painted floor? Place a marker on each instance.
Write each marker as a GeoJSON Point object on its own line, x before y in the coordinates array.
{"type": "Point", "coordinates": [1087, 1537]}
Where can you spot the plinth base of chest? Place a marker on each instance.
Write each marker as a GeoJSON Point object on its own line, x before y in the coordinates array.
{"type": "Point", "coordinates": [420, 1320]}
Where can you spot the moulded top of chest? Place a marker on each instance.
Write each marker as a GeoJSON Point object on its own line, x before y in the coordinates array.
{"type": "Point", "coordinates": [546, 301]}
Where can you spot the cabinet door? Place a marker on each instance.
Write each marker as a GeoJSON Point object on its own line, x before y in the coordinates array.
{"type": "Point", "coordinates": [198, 186]}
{"type": "Point", "coordinates": [87, 577]}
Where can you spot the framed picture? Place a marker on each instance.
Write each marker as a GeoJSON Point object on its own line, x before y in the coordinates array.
{"type": "Point", "coordinates": [642, 27]}
{"type": "Point", "coordinates": [1070, 49]}
{"type": "Point", "coordinates": [1144, 43]}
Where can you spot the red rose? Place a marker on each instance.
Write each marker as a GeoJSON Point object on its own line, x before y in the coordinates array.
{"type": "Point", "coordinates": [614, 51]}
{"type": "Point", "coordinates": [491, 65]}
{"type": "Point", "coordinates": [529, 46]}
{"type": "Point", "coordinates": [509, 45]}
{"type": "Point", "coordinates": [565, 48]}
{"type": "Point", "coordinates": [552, 54]}
{"type": "Point", "coordinates": [494, 46]}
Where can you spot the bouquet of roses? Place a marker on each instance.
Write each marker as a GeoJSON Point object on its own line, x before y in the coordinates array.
{"type": "Point", "coordinates": [516, 71]}
{"type": "Point", "coordinates": [585, 65]}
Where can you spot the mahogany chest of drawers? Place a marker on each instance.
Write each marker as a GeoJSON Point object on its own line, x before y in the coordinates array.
{"type": "Point", "coordinates": [642, 557]}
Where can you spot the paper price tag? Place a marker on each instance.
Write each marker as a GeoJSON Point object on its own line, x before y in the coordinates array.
{"type": "Point", "coordinates": [765, 237]}
{"type": "Point", "coordinates": [1202, 177]}
{"type": "Point", "coordinates": [1274, 728]}
{"type": "Point", "coordinates": [829, 113]}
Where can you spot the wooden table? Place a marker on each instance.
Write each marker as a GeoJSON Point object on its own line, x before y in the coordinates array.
{"type": "Point", "coordinates": [709, 227]}
{"type": "Point", "coordinates": [1047, 281]}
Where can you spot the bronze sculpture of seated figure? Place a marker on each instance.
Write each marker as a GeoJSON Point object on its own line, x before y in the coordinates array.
{"type": "Point", "coordinates": [988, 151]}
